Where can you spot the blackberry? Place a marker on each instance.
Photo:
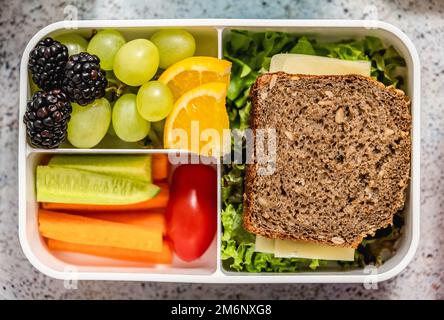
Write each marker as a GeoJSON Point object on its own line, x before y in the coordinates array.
{"type": "Point", "coordinates": [46, 118]}
{"type": "Point", "coordinates": [84, 81]}
{"type": "Point", "coordinates": [47, 63]}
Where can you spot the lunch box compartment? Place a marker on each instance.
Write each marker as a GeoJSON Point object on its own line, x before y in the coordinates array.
{"type": "Point", "coordinates": [209, 268]}
{"type": "Point", "coordinates": [76, 262]}
{"type": "Point", "coordinates": [206, 45]}
{"type": "Point", "coordinates": [337, 34]}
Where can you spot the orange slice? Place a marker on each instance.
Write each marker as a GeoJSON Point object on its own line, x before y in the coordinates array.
{"type": "Point", "coordinates": [198, 121]}
{"type": "Point", "coordinates": [194, 71]}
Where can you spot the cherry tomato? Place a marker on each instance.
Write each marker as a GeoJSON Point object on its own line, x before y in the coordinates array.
{"type": "Point", "coordinates": [192, 210]}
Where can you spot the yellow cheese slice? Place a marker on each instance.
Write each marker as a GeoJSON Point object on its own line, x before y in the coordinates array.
{"type": "Point", "coordinates": [301, 249]}
{"type": "Point", "coordinates": [316, 65]}
{"type": "Point", "coordinates": [308, 250]}
{"type": "Point", "coordinates": [263, 244]}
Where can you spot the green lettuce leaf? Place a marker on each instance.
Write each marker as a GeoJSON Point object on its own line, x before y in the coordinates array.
{"type": "Point", "coordinates": [303, 46]}
{"type": "Point", "coordinates": [238, 248]}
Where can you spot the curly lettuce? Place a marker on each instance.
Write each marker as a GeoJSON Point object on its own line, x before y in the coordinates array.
{"type": "Point", "coordinates": [250, 53]}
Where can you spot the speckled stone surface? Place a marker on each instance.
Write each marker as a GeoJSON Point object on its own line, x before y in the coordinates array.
{"type": "Point", "coordinates": [423, 21]}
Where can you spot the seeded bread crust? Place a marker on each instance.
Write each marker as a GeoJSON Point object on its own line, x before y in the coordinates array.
{"type": "Point", "coordinates": [343, 158]}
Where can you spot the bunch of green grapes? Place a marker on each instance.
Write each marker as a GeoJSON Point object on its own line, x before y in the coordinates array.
{"type": "Point", "coordinates": [133, 99]}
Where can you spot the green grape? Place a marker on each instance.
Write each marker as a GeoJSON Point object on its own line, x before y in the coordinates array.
{"type": "Point", "coordinates": [127, 123]}
{"type": "Point", "coordinates": [89, 124]}
{"type": "Point", "coordinates": [158, 127]}
{"type": "Point", "coordinates": [130, 89]}
{"type": "Point", "coordinates": [111, 77]}
{"type": "Point", "coordinates": [105, 45]}
{"type": "Point", "coordinates": [34, 88]}
{"type": "Point", "coordinates": [136, 62]}
{"type": "Point", "coordinates": [155, 136]}
{"type": "Point", "coordinates": [174, 45]}
{"type": "Point", "coordinates": [154, 101]}
{"type": "Point", "coordinates": [74, 42]}
{"type": "Point", "coordinates": [153, 140]}
{"type": "Point", "coordinates": [111, 131]}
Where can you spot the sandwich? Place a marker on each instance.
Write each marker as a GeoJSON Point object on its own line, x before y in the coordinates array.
{"type": "Point", "coordinates": [342, 158]}
{"type": "Point", "coordinates": [341, 170]}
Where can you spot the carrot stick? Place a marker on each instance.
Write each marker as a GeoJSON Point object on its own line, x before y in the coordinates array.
{"type": "Point", "coordinates": [83, 230]}
{"type": "Point", "coordinates": [147, 219]}
{"type": "Point", "coordinates": [159, 166]}
{"type": "Point", "coordinates": [159, 201]}
{"type": "Point", "coordinates": [163, 257]}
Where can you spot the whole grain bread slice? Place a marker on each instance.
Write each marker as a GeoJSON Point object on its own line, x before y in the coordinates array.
{"type": "Point", "coordinates": [342, 159]}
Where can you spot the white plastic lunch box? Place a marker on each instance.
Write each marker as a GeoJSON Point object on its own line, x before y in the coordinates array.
{"type": "Point", "coordinates": [208, 269]}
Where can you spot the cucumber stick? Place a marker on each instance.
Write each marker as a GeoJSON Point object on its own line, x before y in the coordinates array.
{"type": "Point", "coordinates": [66, 185]}
{"type": "Point", "coordinates": [126, 166]}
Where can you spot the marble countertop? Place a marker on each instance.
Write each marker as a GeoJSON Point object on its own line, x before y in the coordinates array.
{"type": "Point", "coordinates": [422, 21]}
